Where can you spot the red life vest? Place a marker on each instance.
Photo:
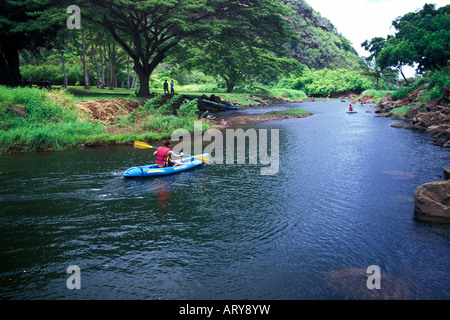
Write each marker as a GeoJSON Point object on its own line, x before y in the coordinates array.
{"type": "Point", "coordinates": [161, 155]}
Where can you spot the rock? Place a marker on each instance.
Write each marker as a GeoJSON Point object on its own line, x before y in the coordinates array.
{"type": "Point", "coordinates": [352, 284]}
{"type": "Point", "coordinates": [299, 100]}
{"type": "Point", "coordinates": [418, 106]}
{"type": "Point", "coordinates": [432, 105]}
{"type": "Point", "coordinates": [432, 201]}
{"type": "Point", "coordinates": [447, 173]}
{"type": "Point", "coordinates": [445, 93]}
{"type": "Point", "coordinates": [368, 111]}
{"type": "Point", "coordinates": [411, 113]}
{"type": "Point", "coordinates": [441, 135]}
{"type": "Point", "coordinates": [397, 125]}
{"type": "Point", "coordinates": [431, 129]}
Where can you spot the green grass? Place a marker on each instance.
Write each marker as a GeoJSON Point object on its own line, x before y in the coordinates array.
{"type": "Point", "coordinates": [33, 119]}
{"type": "Point", "coordinates": [376, 94]}
{"type": "Point", "coordinates": [94, 93]}
{"type": "Point", "coordinates": [293, 112]}
{"type": "Point", "coordinates": [401, 111]}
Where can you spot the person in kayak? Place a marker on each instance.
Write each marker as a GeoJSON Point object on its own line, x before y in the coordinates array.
{"type": "Point", "coordinates": [163, 155]}
{"type": "Point", "coordinates": [350, 108]}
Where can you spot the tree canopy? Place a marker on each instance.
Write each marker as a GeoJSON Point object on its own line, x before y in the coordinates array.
{"type": "Point", "coordinates": [422, 37]}
{"type": "Point", "coordinates": [29, 25]}
{"type": "Point", "coordinates": [149, 30]}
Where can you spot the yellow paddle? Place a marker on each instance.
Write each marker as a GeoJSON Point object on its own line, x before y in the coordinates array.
{"type": "Point", "coordinates": [144, 145]}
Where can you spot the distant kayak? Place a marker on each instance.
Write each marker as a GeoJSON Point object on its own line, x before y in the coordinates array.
{"type": "Point", "coordinates": [154, 170]}
{"type": "Point", "coordinates": [351, 111]}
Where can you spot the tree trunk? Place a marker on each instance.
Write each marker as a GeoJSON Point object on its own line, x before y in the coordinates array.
{"type": "Point", "coordinates": [64, 69]}
{"type": "Point", "coordinates": [134, 82]}
{"type": "Point", "coordinates": [101, 60]}
{"type": "Point", "coordinates": [9, 65]}
{"type": "Point", "coordinates": [144, 78]}
{"type": "Point", "coordinates": [128, 71]}
{"type": "Point", "coordinates": [95, 58]}
{"type": "Point", "coordinates": [401, 72]}
{"type": "Point", "coordinates": [230, 86]}
{"type": "Point", "coordinates": [86, 76]}
{"type": "Point", "coordinates": [111, 68]}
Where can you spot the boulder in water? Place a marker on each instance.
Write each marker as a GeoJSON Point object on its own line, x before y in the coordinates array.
{"type": "Point", "coordinates": [352, 284]}
{"type": "Point", "coordinates": [432, 201]}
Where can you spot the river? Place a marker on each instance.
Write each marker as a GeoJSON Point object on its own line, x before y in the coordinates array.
{"type": "Point", "coordinates": [342, 199]}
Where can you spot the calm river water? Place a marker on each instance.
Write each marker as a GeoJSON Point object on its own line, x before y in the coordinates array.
{"type": "Point", "coordinates": [341, 200]}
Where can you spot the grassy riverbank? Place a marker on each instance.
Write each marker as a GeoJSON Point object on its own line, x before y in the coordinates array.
{"type": "Point", "coordinates": [33, 119]}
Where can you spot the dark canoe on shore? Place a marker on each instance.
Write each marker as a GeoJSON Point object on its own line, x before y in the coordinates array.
{"type": "Point", "coordinates": [212, 103]}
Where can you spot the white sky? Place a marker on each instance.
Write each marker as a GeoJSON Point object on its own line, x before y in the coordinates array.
{"type": "Point", "coordinates": [360, 20]}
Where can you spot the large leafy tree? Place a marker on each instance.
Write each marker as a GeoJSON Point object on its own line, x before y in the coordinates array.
{"type": "Point", "coordinates": [373, 67]}
{"type": "Point", "coordinates": [235, 62]}
{"type": "Point", "coordinates": [237, 53]}
{"type": "Point", "coordinates": [397, 53]}
{"type": "Point", "coordinates": [422, 37]}
{"type": "Point", "coordinates": [26, 24]}
{"type": "Point", "coordinates": [149, 30]}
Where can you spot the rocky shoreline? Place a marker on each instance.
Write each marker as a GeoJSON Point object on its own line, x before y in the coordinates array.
{"type": "Point", "coordinates": [432, 118]}
{"type": "Point", "coordinates": [432, 200]}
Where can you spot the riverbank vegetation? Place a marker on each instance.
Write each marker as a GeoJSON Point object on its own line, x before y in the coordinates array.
{"type": "Point", "coordinates": [33, 119]}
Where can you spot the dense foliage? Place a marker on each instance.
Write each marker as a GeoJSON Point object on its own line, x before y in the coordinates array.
{"type": "Point", "coordinates": [422, 37]}
{"type": "Point", "coordinates": [327, 81]}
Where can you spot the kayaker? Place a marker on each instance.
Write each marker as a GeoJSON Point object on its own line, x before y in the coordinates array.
{"type": "Point", "coordinates": [163, 155]}
{"type": "Point", "coordinates": [350, 108]}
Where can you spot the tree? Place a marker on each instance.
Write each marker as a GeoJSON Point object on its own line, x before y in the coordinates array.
{"type": "Point", "coordinates": [83, 59]}
{"type": "Point", "coordinates": [423, 37]}
{"type": "Point", "coordinates": [234, 61]}
{"type": "Point", "coordinates": [149, 30]}
{"type": "Point", "coordinates": [29, 25]}
{"type": "Point", "coordinates": [397, 54]}
{"type": "Point", "coordinates": [373, 68]}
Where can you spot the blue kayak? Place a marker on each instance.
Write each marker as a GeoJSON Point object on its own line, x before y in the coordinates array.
{"type": "Point", "coordinates": [153, 169]}
{"type": "Point", "coordinates": [351, 111]}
